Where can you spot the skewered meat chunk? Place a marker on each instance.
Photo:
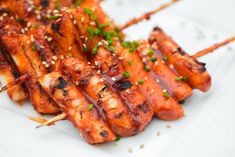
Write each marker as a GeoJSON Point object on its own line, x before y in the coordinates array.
{"type": "Point", "coordinates": [110, 66]}
{"type": "Point", "coordinates": [187, 66]}
{"type": "Point", "coordinates": [17, 50]}
{"type": "Point", "coordinates": [116, 112]}
{"type": "Point", "coordinates": [16, 93]}
{"type": "Point", "coordinates": [80, 112]}
{"type": "Point", "coordinates": [167, 109]}
{"type": "Point", "coordinates": [176, 85]}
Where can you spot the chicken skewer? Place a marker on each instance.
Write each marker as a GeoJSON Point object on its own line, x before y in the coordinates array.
{"type": "Point", "coordinates": [176, 86]}
{"type": "Point", "coordinates": [118, 116]}
{"type": "Point", "coordinates": [184, 64]}
{"type": "Point", "coordinates": [80, 112]}
{"type": "Point", "coordinates": [165, 108]}
{"type": "Point", "coordinates": [7, 72]}
{"type": "Point", "coordinates": [128, 91]}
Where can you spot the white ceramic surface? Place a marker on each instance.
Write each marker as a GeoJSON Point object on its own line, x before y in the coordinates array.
{"type": "Point", "coordinates": [208, 129]}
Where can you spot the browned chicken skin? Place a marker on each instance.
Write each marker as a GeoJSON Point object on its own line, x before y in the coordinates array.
{"type": "Point", "coordinates": [116, 112]}
{"type": "Point", "coordinates": [176, 85]}
{"type": "Point", "coordinates": [80, 112]}
{"type": "Point", "coordinates": [72, 56]}
{"type": "Point", "coordinates": [195, 71]}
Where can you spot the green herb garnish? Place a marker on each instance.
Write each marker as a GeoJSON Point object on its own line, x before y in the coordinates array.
{"type": "Point", "coordinates": [153, 59]}
{"type": "Point", "coordinates": [34, 48]}
{"type": "Point", "coordinates": [181, 78]}
{"type": "Point", "coordinates": [147, 68]}
{"type": "Point", "coordinates": [126, 74]}
{"type": "Point", "coordinates": [90, 107]}
{"type": "Point", "coordinates": [129, 63]}
{"type": "Point", "coordinates": [140, 81]}
{"type": "Point", "coordinates": [132, 46]}
{"type": "Point", "coordinates": [151, 52]}
{"type": "Point", "coordinates": [166, 94]}
{"type": "Point", "coordinates": [165, 58]}
{"type": "Point", "coordinates": [55, 17]}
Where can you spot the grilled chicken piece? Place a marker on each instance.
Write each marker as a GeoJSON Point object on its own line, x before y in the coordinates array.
{"type": "Point", "coordinates": [35, 13]}
{"type": "Point", "coordinates": [9, 25]}
{"type": "Point", "coordinates": [19, 50]}
{"type": "Point", "coordinates": [16, 93]}
{"type": "Point", "coordinates": [109, 66]}
{"type": "Point", "coordinates": [67, 37]}
{"type": "Point", "coordinates": [176, 85]}
{"type": "Point", "coordinates": [165, 108]}
{"type": "Point", "coordinates": [185, 65]}
{"type": "Point", "coordinates": [120, 119]}
{"type": "Point", "coordinates": [80, 112]}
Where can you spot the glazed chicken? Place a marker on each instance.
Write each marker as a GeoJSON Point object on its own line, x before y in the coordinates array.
{"type": "Point", "coordinates": [70, 59]}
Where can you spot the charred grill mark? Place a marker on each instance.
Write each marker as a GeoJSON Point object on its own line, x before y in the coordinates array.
{"type": "Point", "coordinates": [56, 28]}
{"type": "Point", "coordinates": [122, 85]}
{"type": "Point", "coordinates": [104, 134]}
{"type": "Point", "coordinates": [181, 51]}
{"type": "Point", "coordinates": [118, 115]}
{"type": "Point", "coordinates": [144, 107]}
{"type": "Point", "coordinates": [44, 3]}
{"type": "Point", "coordinates": [62, 83]}
{"type": "Point", "coordinates": [104, 88]}
{"type": "Point", "coordinates": [85, 80]}
{"type": "Point", "coordinates": [41, 52]}
{"type": "Point", "coordinates": [202, 66]}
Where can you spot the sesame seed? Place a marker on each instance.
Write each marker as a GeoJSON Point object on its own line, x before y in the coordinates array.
{"type": "Point", "coordinates": [96, 63]}
{"type": "Point", "coordinates": [42, 46]}
{"type": "Point", "coordinates": [158, 133]}
{"type": "Point", "coordinates": [53, 62]}
{"type": "Point", "coordinates": [54, 58]}
{"type": "Point", "coordinates": [152, 90]}
{"type": "Point", "coordinates": [70, 48]}
{"type": "Point", "coordinates": [84, 45]}
{"type": "Point", "coordinates": [92, 23]}
{"type": "Point", "coordinates": [171, 66]}
{"type": "Point", "coordinates": [98, 72]}
{"type": "Point", "coordinates": [130, 150]}
{"type": "Point", "coordinates": [157, 80]}
{"type": "Point", "coordinates": [168, 126]}
{"type": "Point", "coordinates": [44, 63]}
{"type": "Point", "coordinates": [113, 78]}
{"type": "Point", "coordinates": [61, 57]}
{"type": "Point", "coordinates": [82, 20]}
{"type": "Point", "coordinates": [141, 146]}
{"type": "Point", "coordinates": [47, 65]}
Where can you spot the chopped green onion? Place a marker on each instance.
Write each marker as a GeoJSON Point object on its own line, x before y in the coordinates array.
{"type": "Point", "coordinates": [34, 48]}
{"type": "Point", "coordinates": [79, 2]}
{"type": "Point", "coordinates": [153, 59]}
{"type": "Point", "coordinates": [140, 81]}
{"type": "Point", "coordinates": [151, 52]}
{"type": "Point", "coordinates": [90, 107]}
{"type": "Point", "coordinates": [126, 74]}
{"type": "Point", "coordinates": [132, 46]}
{"type": "Point", "coordinates": [55, 17]}
{"type": "Point", "coordinates": [147, 68]}
{"type": "Point", "coordinates": [21, 21]}
{"type": "Point", "coordinates": [165, 58]}
{"type": "Point", "coordinates": [129, 63]}
{"type": "Point", "coordinates": [181, 78]}
{"type": "Point", "coordinates": [166, 94]}
{"type": "Point", "coordinates": [118, 138]}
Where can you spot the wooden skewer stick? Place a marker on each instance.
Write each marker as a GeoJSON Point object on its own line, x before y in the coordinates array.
{"type": "Point", "coordinates": [213, 47]}
{"type": "Point", "coordinates": [51, 121]}
{"type": "Point", "coordinates": [17, 81]}
{"type": "Point", "coordinates": [147, 15]}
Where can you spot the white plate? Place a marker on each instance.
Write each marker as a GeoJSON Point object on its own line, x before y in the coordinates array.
{"type": "Point", "coordinates": [208, 129]}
